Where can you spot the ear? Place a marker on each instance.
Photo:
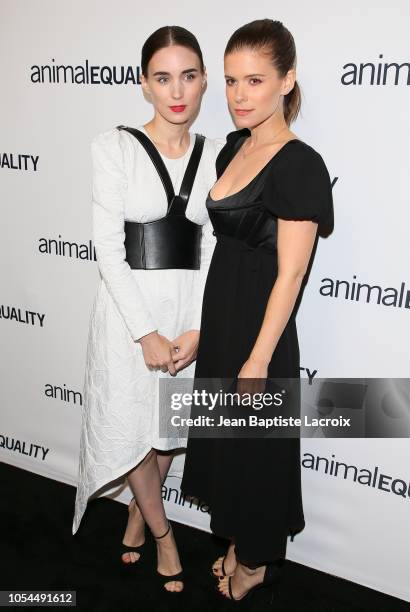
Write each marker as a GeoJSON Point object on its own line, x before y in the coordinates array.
{"type": "Point", "coordinates": [205, 76]}
{"type": "Point", "coordinates": [288, 82]}
{"type": "Point", "coordinates": [144, 85]}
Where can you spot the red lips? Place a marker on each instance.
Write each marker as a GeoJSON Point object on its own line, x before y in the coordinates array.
{"type": "Point", "coordinates": [242, 111]}
{"type": "Point", "coordinates": [178, 109]}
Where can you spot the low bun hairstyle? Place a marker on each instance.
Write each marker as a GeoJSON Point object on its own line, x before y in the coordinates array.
{"type": "Point", "coordinates": [165, 37]}
{"type": "Point", "coordinates": [272, 37]}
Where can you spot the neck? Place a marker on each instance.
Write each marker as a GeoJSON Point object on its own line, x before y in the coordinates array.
{"type": "Point", "coordinates": [265, 132]}
{"type": "Point", "coordinates": [171, 136]}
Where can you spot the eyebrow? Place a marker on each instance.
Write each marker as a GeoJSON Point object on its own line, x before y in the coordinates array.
{"type": "Point", "coordinates": [247, 76]}
{"type": "Point", "coordinates": [162, 73]}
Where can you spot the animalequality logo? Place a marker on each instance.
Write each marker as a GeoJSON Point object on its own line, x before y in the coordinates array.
{"type": "Point", "coordinates": [376, 73]}
{"type": "Point", "coordinates": [67, 248]}
{"type": "Point", "coordinates": [19, 161]}
{"type": "Point", "coordinates": [84, 74]}
{"type": "Point", "coordinates": [399, 297]}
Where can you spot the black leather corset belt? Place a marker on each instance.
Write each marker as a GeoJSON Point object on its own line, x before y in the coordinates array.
{"type": "Point", "coordinates": [173, 241]}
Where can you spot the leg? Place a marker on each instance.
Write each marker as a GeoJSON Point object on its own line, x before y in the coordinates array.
{"type": "Point", "coordinates": [164, 460]}
{"type": "Point", "coordinates": [145, 482]}
{"type": "Point", "coordinates": [134, 532]}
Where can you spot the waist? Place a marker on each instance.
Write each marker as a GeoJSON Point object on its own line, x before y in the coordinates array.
{"type": "Point", "coordinates": [171, 242]}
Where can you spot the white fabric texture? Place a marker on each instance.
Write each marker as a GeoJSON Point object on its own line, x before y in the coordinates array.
{"type": "Point", "coordinates": [119, 420]}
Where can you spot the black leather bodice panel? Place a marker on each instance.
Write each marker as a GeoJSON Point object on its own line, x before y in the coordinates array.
{"type": "Point", "coordinates": [250, 223]}
{"type": "Point", "coordinates": [243, 216]}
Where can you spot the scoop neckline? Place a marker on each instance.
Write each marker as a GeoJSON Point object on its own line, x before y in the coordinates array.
{"type": "Point", "coordinates": [171, 159]}
{"type": "Point", "coordinates": [256, 175]}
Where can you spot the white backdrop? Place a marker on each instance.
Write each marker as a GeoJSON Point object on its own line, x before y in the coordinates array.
{"type": "Point", "coordinates": [359, 125]}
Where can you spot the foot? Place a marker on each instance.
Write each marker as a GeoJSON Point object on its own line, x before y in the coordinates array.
{"type": "Point", "coordinates": [135, 532]}
{"type": "Point", "coordinates": [229, 563]}
{"type": "Point", "coordinates": [242, 581]}
{"type": "Point", "coordinates": [168, 561]}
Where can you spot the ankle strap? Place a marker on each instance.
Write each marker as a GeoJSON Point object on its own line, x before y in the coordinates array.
{"type": "Point", "coordinates": [163, 536]}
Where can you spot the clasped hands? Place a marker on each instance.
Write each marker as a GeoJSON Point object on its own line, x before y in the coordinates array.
{"type": "Point", "coordinates": [169, 355]}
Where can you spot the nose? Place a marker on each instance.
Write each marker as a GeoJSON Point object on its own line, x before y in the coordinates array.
{"type": "Point", "coordinates": [240, 93]}
{"type": "Point", "coordinates": [177, 90]}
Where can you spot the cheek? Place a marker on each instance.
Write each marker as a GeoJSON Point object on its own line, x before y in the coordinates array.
{"type": "Point", "coordinates": [158, 93]}
{"type": "Point", "coordinates": [267, 97]}
{"type": "Point", "coordinates": [194, 89]}
{"type": "Point", "coordinates": [230, 94]}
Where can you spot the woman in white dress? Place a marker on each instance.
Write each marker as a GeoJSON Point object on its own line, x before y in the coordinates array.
{"type": "Point", "coordinates": [144, 323]}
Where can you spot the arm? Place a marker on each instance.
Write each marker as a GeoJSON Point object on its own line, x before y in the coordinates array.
{"type": "Point", "coordinates": [207, 248]}
{"type": "Point", "coordinates": [298, 192]}
{"type": "Point", "coordinates": [208, 242]}
{"type": "Point", "coordinates": [108, 192]}
{"type": "Point", "coordinates": [189, 340]}
{"type": "Point", "coordinates": [295, 244]}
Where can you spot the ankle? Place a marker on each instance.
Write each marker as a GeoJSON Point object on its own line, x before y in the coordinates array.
{"type": "Point", "coordinates": [165, 533]}
{"type": "Point", "coordinates": [249, 571]}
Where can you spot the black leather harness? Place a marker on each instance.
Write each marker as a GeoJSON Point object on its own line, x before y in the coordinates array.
{"type": "Point", "coordinates": [173, 241]}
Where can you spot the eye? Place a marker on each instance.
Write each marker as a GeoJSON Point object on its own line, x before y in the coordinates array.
{"type": "Point", "coordinates": [190, 76]}
{"type": "Point", "coordinates": [255, 80]}
{"type": "Point", "coordinates": [162, 79]}
{"type": "Point", "coordinates": [229, 82]}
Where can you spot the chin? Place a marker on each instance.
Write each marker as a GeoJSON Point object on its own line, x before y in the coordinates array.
{"type": "Point", "coordinates": [177, 118]}
{"type": "Point", "coordinates": [243, 122]}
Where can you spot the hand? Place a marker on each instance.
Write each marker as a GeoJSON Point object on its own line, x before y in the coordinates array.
{"type": "Point", "coordinates": [157, 351]}
{"type": "Point", "coordinates": [185, 348]}
{"type": "Point", "coordinates": [252, 377]}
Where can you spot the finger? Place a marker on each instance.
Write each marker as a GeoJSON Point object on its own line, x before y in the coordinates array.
{"type": "Point", "coordinates": [178, 356]}
{"type": "Point", "coordinates": [180, 364]}
{"type": "Point", "coordinates": [171, 367]}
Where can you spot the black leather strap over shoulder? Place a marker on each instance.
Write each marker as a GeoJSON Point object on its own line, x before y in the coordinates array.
{"type": "Point", "coordinates": [179, 203]}
{"type": "Point", "coordinates": [155, 158]}
{"type": "Point", "coordinates": [176, 203]}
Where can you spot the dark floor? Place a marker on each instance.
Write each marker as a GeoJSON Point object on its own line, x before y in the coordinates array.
{"type": "Point", "coordinates": [38, 552]}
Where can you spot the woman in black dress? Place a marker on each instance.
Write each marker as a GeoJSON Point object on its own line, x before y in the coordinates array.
{"type": "Point", "coordinates": [272, 193]}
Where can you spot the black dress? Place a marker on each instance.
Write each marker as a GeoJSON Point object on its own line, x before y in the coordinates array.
{"type": "Point", "coordinates": [253, 486]}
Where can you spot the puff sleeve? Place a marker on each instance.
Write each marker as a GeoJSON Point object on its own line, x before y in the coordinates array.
{"type": "Point", "coordinates": [298, 186]}
{"type": "Point", "coordinates": [108, 188]}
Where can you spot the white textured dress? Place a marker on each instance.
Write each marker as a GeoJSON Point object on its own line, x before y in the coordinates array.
{"type": "Point", "coordinates": [120, 392]}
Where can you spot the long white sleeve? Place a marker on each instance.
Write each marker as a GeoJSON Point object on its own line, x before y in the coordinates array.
{"type": "Point", "coordinates": [208, 243]}
{"type": "Point", "coordinates": [109, 187]}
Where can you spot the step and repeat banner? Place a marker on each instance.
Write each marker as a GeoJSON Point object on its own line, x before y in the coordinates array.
{"type": "Point", "coordinates": [70, 70]}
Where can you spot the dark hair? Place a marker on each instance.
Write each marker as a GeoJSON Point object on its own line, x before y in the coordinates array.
{"type": "Point", "coordinates": [273, 38]}
{"type": "Point", "coordinates": [165, 37]}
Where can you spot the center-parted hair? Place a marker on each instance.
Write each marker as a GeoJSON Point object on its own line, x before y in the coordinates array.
{"type": "Point", "coordinates": [165, 37]}
{"type": "Point", "coordinates": [273, 38]}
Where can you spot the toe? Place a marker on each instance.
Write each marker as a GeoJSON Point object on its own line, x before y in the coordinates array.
{"type": "Point", "coordinates": [174, 586]}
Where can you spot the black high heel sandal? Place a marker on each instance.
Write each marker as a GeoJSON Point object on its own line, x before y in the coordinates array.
{"type": "Point", "coordinates": [128, 549]}
{"type": "Point", "coordinates": [270, 579]}
{"type": "Point", "coordinates": [163, 579]}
